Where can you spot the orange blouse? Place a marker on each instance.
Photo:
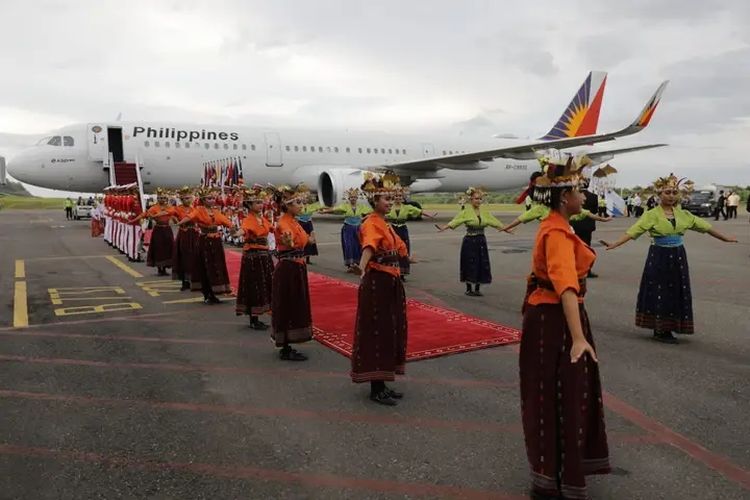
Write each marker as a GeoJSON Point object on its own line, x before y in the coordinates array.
{"type": "Point", "coordinates": [161, 219]}
{"type": "Point", "coordinates": [208, 218]}
{"type": "Point", "coordinates": [560, 258]}
{"type": "Point", "coordinates": [377, 234]}
{"type": "Point", "coordinates": [290, 235]}
{"type": "Point", "coordinates": [255, 228]}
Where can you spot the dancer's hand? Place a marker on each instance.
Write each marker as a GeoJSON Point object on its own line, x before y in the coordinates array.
{"type": "Point", "coordinates": [579, 349]}
{"type": "Point", "coordinates": [441, 228]}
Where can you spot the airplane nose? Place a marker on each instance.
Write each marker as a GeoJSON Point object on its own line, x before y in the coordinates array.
{"type": "Point", "coordinates": [17, 166]}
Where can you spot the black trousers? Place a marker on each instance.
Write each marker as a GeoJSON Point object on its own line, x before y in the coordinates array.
{"type": "Point", "coordinates": [731, 212]}
{"type": "Point", "coordinates": [68, 212]}
{"type": "Point", "coordinates": [720, 211]}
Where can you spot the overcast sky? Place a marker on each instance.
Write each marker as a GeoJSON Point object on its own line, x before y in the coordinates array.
{"type": "Point", "coordinates": [472, 67]}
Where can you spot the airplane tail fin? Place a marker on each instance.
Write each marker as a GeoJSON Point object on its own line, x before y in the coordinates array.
{"type": "Point", "coordinates": [644, 117]}
{"type": "Point", "coordinates": [581, 117]}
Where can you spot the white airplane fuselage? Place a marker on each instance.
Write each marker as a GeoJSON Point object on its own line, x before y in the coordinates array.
{"type": "Point", "coordinates": [173, 155]}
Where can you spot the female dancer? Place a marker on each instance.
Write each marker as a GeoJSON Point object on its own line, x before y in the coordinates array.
{"type": "Point", "coordinates": [209, 273]}
{"type": "Point", "coordinates": [305, 220]}
{"type": "Point", "coordinates": [353, 213]}
{"type": "Point", "coordinates": [186, 243]}
{"type": "Point", "coordinates": [399, 213]}
{"type": "Point", "coordinates": [561, 405]}
{"type": "Point", "coordinates": [290, 302]}
{"type": "Point", "coordinates": [379, 351]}
{"type": "Point", "coordinates": [475, 258]}
{"type": "Point", "coordinates": [665, 303]}
{"type": "Point", "coordinates": [254, 288]}
{"type": "Point", "coordinates": [162, 240]}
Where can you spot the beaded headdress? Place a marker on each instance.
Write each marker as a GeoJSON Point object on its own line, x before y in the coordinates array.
{"type": "Point", "coordinates": [672, 182]}
{"type": "Point", "coordinates": [559, 170]}
{"type": "Point", "coordinates": [351, 193]}
{"type": "Point", "coordinates": [377, 185]}
{"type": "Point", "coordinates": [288, 194]}
{"type": "Point", "coordinates": [476, 190]}
{"type": "Point", "coordinates": [256, 193]}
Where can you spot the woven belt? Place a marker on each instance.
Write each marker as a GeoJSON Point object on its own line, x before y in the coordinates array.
{"type": "Point", "coordinates": [257, 241]}
{"type": "Point", "coordinates": [386, 258]}
{"type": "Point", "coordinates": [534, 281]}
{"type": "Point", "coordinates": [475, 231]}
{"type": "Point", "coordinates": [673, 240]}
{"type": "Point", "coordinates": [163, 224]}
{"type": "Point", "coordinates": [257, 251]}
{"type": "Point", "coordinates": [290, 254]}
{"type": "Point", "coordinates": [398, 224]}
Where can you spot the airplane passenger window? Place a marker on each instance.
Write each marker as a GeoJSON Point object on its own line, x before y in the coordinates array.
{"type": "Point", "coordinates": [252, 147]}
{"type": "Point", "coordinates": [328, 149]}
{"type": "Point", "coordinates": [288, 148]}
{"type": "Point", "coordinates": [55, 141]}
{"type": "Point", "coordinates": [312, 149]}
{"type": "Point", "coordinates": [368, 150]}
{"type": "Point", "coordinates": [335, 149]}
{"type": "Point", "coordinates": [244, 147]}
{"type": "Point", "coordinates": [360, 150]}
{"type": "Point", "coordinates": [403, 151]}
{"type": "Point", "coordinates": [156, 144]}
{"type": "Point", "coordinates": [207, 145]}
{"type": "Point", "coordinates": [348, 150]}
{"type": "Point", "coordinates": [234, 146]}
{"type": "Point", "coordinates": [382, 150]}
{"type": "Point", "coordinates": [187, 145]}
{"type": "Point", "coordinates": [226, 146]}
{"type": "Point", "coordinates": [216, 145]}
{"type": "Point", "coordinates": [166, 144]}
{"type": "Point", "coordinates": [68, 141]}
{"type": "Point", "coordinates": [146, 143]}
{"type": "Point", "coordinates": [296, 148]}
{"type": "Point", "coordinates": [390, 151]}
{"type": "Point", "coordinates": [320, 149]}
{"type": "Point", "coordinates": [177, 145]}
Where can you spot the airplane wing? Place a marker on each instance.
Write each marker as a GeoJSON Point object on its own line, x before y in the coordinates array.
{"type": "Point", "coordinates": [606, 155]}
{"type": "Point", "coordinates": [523, 151]}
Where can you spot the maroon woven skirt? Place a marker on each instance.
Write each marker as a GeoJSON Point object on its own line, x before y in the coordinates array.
{"type": "Point", "coordinates": [185, 250]}
{"type": "Point", "coordinates": [561, 405]}
{"type": "Point", "coordinates": [290, 302]}
{"type": "Point", "coordinates": [210, 266]}
{"type": "Point", "coordinates": [161, 248]}
{"type": "Point", "coordinates": [254, 287]}
{"type": "Point", "coordinates": [380, 331]}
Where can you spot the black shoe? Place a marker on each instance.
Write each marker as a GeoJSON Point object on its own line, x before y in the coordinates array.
{"type": "Point", "coordinates": [212, 299]}
{"type": "Point", "coordinates": [185, 286]}
{"type": "Point", "coordinates": [383, 398]}
{"type": "Point", "coordinates": [592, 274]}
{"type": "Point", "coordinates": [477, 293]}
{"type": "Point", "coordinates": [470, 293]}
{"type": "Point", "coordinates": [258, 325]}
{"type": "Point", "coordinates": [665, 337]}
{"type": "Point", "coordinates": [394, 394]}
{"type": "Point", "coordinates": [291, 355]}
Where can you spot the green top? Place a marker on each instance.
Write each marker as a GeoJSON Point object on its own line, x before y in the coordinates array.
{"type": "Point", "coordinates": [655, 222]}
{"type": "Point", "coordinates": [346, 210]}
{"type": "Point", "coordinates": [311, 208]}
{"type": "Point", "coordinates": [403, 213]}
{"type": "Point", "coordinates": [579, 217]}
{"type": "Point", "coordinates": [536, 212]}
{"type": "Point", "coordinates": [68, 203]}
{"type": "Point", "coordinates": [602, 201]}
{"type": "Point", "coordinates": [469, 217]}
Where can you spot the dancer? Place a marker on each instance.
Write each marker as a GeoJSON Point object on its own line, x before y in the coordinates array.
{"type": "Point", "coordinates": [186, 242]}
{"type": "Point", "coordinates": [305, 220]}
{"type": "Point", "coordinates": [290, 301]}
{"type": "Point", "coordinates": [397, 216]}
{"type": "Point", "coordinates": [561, 405]}
{"type": "Point", "coordinates": [379, 351]}
{"type": "Point", "coordinates": [475, 258]}
{"type": "Point", "coordinates": [209, 272]}
{"type": "Point", "coordinates": [254, 288]}
{"type": "Point", "coordinates": [161, 248]}
{"type": "Point", "coordinates": [665, 302]}
{"type": "Point", "coordinates": [353, 213]}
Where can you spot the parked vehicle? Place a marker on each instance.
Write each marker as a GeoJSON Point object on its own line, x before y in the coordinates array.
{"type": "Point", "coordinates": [702, 202]}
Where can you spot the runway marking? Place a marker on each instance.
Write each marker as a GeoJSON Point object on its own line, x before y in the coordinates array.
{"type": "Point", "coordinates": [132, 272]}
{"type": "Point", "coordinates": [20, 306]}
{"type": "Point", "coordinates": [711, 460]}
{"type": "Point", "coordinates": [157, 287]}
{"type": "Point", "coordinates": [20, 269]}
{"type": "Point", "coordinates": [250, 472]}
{"type": "Point", "coordinates": [247, 371]}
{"type": "Point", "coordinates": [67, 257]}
{"type": "Point", "coordinates": [140, 317]}
{"type": "Point", "coordinates": [60, 295]}
{"type": "Point", "coordinates": [196, 299]}
{"type": "Point", "coordinates": [98, 309]}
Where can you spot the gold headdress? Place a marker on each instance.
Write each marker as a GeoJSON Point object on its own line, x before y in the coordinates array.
{"type": "Point", "coordinates": [476, 190]}
{"type": "Point", "coordinates": [386, 184]}
{"type": "Point", "coordinates": [351, 193]}
{"type": "Point", "coordinates": [185, 191]}
{"type": "Point", "coordinates": [162, 192]}
{"type": "Point", "coordinates": [206, 192]}
{"type": "Point", "coordinates": [256, 193]}
{"type": "Point", "coordinates": [672, 182]}
{"type": "Point", "coordinates": [559, 170]}
{"type": "Point", "coordinates": [287, 194]}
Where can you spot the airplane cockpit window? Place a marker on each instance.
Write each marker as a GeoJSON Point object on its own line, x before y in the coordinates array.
{"type": "Point", "coordinates": [55, 141]}
{"type": "Point", "coordinates": [43, 141]}
{"type": "Point", "coordinates": [68, 141]}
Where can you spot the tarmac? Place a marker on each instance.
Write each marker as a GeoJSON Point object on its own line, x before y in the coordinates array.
{"type": "Point", "coordinates": [113, 384]}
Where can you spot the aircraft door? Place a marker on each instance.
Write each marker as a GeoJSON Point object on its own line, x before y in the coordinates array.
{"type": "Point", "coordinates": [96, 138]}
{"type": "Point", "coordinates": [273, 150]}
{"type": "Point", "coordinates": [428, 150]}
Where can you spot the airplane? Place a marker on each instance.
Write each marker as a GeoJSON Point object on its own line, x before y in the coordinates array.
{"type": "Point", "coordinates": [89, 157]}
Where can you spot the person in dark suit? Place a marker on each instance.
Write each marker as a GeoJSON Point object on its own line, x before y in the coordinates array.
{"type": "Point", "coordinates": [585, 228]}
{"type": "Point", "coordinates": [721, 206]}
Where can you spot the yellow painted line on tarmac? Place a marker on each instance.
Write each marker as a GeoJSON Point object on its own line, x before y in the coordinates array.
{"type": "Point", "coordinates": [124, 267]}
{"type": "Point", "coordinates": [68, 257]}
{"type": "Point", "coordinates": [20, 306]}
{"type": "Point", "coordinates": [196, 299]}
{"type": "Point", "coordinates": [20, 269]}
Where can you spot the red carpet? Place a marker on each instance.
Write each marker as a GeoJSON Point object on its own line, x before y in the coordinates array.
{"type": "Point", "coordinates": [433, 331]}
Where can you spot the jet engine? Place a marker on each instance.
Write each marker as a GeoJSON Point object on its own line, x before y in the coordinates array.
{"type": "Point", "coordinates": [334, 182]}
